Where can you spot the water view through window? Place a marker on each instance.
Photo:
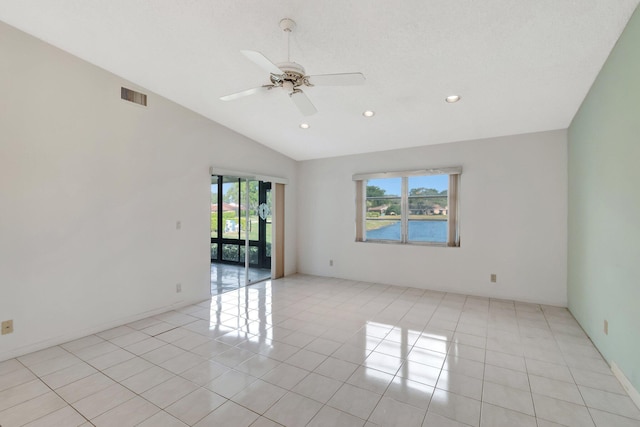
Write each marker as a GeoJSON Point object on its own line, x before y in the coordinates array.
{"type": "Point", "coordinates": [426, 231]}
{"type": "Point", "coordinates": [421, 202]}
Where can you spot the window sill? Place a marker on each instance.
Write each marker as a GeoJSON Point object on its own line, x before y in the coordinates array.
{"type": "Point", "coordinates": [393, 242]}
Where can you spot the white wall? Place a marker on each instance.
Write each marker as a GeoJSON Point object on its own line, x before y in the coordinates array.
{"type": "Point", "coordinates": [91, 188]}
{"type": "Point", "coordinates": [513, 220]}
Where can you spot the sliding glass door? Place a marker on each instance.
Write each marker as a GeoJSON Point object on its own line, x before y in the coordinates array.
{"type": "Point", "coordinates": [241, 223]}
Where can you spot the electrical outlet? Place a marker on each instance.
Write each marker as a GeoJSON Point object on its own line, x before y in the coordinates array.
{"type": "Point", "coordinates": [606, 327]}
{"type": "Point", "coordinates": [7, 327]}
{"type": "Point", "coordinates": [330, 263]}
{"type": "Point", "coordinates": [494, 278]}
{"type": "Point", "coordinates": [178, 225]}
{"type": "Point", "coordinates": [178, 287]}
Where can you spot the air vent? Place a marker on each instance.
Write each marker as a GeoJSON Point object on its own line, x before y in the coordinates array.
{"type": "Point", "coordinates": [133, 96]}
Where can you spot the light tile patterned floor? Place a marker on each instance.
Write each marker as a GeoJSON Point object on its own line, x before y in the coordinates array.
{"type": "Point", "coordinates": [324, 352]}
{"type": "Point", "coordinates": [229, 277]}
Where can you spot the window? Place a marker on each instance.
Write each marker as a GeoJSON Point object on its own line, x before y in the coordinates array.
{"type": "Point", "coordinates": [384, 209]}
{"type": "Point", "coordinates": [408, 207]}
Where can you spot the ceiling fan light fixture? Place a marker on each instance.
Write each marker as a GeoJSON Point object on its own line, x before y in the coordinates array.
{"type": "Point", "coordinates": [304, 126]}
{"type": "Point", "coordinates": [452, 99]}
{"type": "Point", "coordinates": [288, 86]}
{"type": "Point", "coordinates": [369, 113]}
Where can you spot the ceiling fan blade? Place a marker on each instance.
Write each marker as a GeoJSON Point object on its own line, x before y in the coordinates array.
{"type": "Point", "coordinates": [343, 79]}
{"type": "Point", "coordinates": [245, 93]}
{"type": "Point", "coordinates": [303, 103]}
{"type": "Point", "coordinates": [262, 61]}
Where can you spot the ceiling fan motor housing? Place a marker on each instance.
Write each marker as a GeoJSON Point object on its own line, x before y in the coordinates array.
{"type": "Point", "coordinates": [293, 73]}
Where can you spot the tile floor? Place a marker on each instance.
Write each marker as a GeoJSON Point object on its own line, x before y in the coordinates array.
{"type": "Point", "coordinates": [228, 277]}
{"type": "Point", "coordinates": [310, 351]}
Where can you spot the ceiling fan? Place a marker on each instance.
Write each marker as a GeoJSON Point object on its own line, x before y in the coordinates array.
{"type": "Point", "coordinates": [291, 76]}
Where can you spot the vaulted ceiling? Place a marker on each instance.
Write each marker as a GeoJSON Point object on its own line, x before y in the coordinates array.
{"type": "Point", "coordinates": [519, 65]}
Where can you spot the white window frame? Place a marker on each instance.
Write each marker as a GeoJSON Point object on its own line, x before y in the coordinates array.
{"type": "Point", "coordinates": [453, 195]}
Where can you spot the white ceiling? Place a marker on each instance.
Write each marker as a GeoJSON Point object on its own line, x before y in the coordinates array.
{"type": "Point", "coordinates": [520, 65]}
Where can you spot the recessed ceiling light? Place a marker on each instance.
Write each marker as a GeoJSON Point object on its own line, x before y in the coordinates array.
{"type": "Point", "coordinates": [453, 98]}
{"type": "Point", "coordinates": [304, 126]}
{"type": "Point", "coordinates": [369, 113]}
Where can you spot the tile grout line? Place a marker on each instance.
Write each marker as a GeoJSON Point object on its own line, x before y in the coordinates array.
{"type": "Point", "coordinates": [51, 389]}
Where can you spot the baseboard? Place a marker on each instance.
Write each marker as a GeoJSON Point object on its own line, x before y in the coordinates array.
{"type": "Point", "coordinates": [74, 335]}
{"type": "Point", "coordinates": [633, 393]}
{"type": "Point", "coordinates": [437, 288]}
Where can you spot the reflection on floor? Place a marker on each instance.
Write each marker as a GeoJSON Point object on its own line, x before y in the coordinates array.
{"type": "Point", "coordinates": [225, 277]}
